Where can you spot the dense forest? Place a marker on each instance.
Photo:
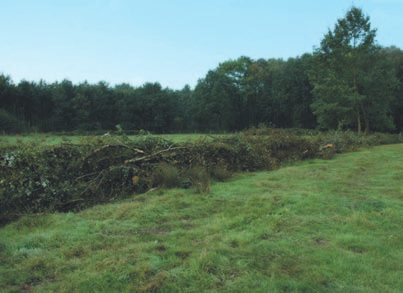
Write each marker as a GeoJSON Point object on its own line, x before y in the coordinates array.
{"type": "Point", "coordinates": [348, 82]}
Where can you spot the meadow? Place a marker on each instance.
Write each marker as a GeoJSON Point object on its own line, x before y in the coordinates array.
{"type": "Point", "coordinates": [312, 226]}
{"type": "Point", "coordinates": [56, 139]}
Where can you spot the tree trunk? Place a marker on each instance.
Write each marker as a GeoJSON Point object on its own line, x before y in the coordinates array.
{"type": "Point", "coordinates": [357, 106]}
{"type": "Point", "coordinates": [366, 124]}
{"type": "Point", "coordinates": [366, 119]}
{"type": "Point", "coordinates": [358, 119]}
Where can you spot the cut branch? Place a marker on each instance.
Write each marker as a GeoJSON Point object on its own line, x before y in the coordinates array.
{"type": "Point", "coordinates": [152, 155]}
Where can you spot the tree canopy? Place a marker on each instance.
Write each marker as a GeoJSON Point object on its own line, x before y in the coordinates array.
{"type": "Point", "coordinates": [348, 82]}
{"type": "Point", "coordinates": [353, 83]}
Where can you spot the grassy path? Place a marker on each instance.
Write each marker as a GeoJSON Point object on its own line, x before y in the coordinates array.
{"type": "Point", "coordinates": [319, 226]}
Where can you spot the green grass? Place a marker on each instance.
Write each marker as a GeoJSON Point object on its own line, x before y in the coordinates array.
{"type": "Point", "coordinates": [38, 139]}
{"type": "Point", "coordinates": [49, 139]}
{"type": "Point", "coordinates": [318, 226]}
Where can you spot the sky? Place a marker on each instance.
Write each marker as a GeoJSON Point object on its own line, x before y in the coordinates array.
{"type": "Point", "coordinates": [173, 42]}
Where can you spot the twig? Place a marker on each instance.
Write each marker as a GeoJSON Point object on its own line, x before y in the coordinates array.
{"type": "Point", "coordinates": [113, 145]}
{"type": "Point", "coordinates": [152, 155]}
{"type": "Point", "coordinates": [69, 202]}
{"type": "Point", "coordinates": [122, 144]}
{"type": "Point", "coordinates": [151, 190]}
{"type": "Point", "coordinates": [117, 145]}
{"type": "Point", "coordinates": [86, 175]}
{"type": "Point", "coordinates": [29, 215]}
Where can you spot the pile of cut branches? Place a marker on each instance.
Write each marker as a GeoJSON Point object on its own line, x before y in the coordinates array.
{"type": "Point", "coordinates": [69, 177]}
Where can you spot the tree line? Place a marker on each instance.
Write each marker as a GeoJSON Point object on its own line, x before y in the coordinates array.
{"type": "Point", "coordinates": [348, 82]}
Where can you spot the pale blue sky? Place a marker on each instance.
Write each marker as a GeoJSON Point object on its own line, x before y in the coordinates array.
{"type": "Point", "coordinates": [174, 42]}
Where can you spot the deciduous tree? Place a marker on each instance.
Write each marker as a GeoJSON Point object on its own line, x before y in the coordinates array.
{"type": "Point", "coordinates": [352, 85]}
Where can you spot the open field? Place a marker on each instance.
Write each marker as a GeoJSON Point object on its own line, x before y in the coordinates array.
{"type": "Point", "coordinates": [49, 139]}
{"type": "Point", "coordinates": [317, 226]}
{"type": "Point", "coordinates": [60, 138]}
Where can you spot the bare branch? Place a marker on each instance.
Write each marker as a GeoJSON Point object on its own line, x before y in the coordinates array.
{"type": "Point", "coordinates": [153, 155]}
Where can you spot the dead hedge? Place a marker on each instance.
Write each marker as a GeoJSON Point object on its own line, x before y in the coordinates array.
{"type": "Point", "coordinates": [70, 177]}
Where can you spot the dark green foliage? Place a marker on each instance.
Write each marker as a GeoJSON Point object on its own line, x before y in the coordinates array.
{"type": "Point", "coordinates": [10, 123]}
{"type": "Point", "coordinates": [237, 95]}
{"type": "Point", "coordinates": [395, 56]}
{"type": "Point", "coordinates": [353, 80]}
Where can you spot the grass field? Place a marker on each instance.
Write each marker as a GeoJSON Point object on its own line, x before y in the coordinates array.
{"type": "Point", "coordinates": [49, 139]}
{"type": "Point", "coordinates": [318, 226]}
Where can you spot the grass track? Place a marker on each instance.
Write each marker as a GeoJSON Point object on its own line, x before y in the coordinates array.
{"type": "Point", "coordinates": [318, 226]}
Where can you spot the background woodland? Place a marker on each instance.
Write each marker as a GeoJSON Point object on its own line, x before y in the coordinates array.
{"type": "Point", "coordinates": [348, 82]}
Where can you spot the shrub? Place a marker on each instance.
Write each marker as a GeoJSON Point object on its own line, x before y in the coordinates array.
{"type": "Point", "coordinates": [220, 172]}
{"type": "Point", "coordinates": [167, 176]}
{"type": "Point", "coordinates": [200, 179]}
